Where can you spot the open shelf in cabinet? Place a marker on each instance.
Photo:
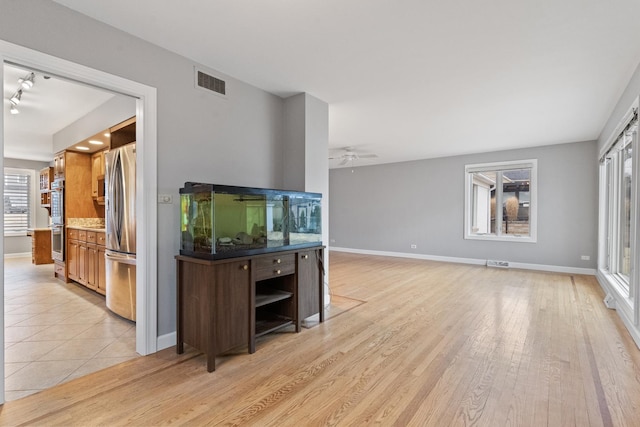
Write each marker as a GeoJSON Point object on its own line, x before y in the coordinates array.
{"type": "Point", "coordinates": [268, 296]}
{"type": "Point", "coordinates": [268, 323]}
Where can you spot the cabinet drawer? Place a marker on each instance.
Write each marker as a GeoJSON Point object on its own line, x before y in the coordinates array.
{"type": "Point", "coordinates": [275, 265]}
{"type": "Point", "coordinates": [91, 237]}
{"type": "Point", "coordinates": [72, 233]}
{"type": "Point", "coordinates": [100, 238]}
{"type": "Point", "coordinates": [82, 235]}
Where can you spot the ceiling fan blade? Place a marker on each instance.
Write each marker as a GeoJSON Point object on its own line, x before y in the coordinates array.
{"type": "Point", "coordinates": [344, 162]}
{"type": "Point", "coordinates": [367, 156]}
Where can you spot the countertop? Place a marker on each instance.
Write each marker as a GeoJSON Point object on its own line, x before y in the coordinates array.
{"type": "Point", "coordinates": [79, 227]}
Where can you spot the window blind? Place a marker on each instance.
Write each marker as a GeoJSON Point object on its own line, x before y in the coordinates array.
{"type": "Point", "coordinates": [17, 203]}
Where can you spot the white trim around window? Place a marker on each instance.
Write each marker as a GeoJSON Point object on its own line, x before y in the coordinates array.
{"type": "Point", "coordinates": [511, 185]}
{"type": "Point", "coordinates": [23, 222]}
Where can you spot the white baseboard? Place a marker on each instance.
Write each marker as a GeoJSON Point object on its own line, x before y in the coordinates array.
{"type": "Point", "coordinates": [18, 255]}
{"type": "Point", "coordinates": [166, 341]}
{"type": "Point", "coordinates": [474, 261]}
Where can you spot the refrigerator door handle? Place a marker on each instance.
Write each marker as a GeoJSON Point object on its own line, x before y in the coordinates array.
{"type": "Point", "coordinates": [124, 259]}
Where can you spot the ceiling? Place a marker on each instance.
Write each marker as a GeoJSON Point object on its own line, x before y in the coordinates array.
{"type": "Point", "coordinates": [412, 79]}
{"type": "Point", "coordinates": [49, 106]}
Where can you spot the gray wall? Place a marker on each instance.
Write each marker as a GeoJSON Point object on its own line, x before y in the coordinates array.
{"type": "Point", "coordinates": [389, 207]}
{"type": "Point", "coordinates": [22, 244]}
{"type": "Point", "coordinates": [201, 136]}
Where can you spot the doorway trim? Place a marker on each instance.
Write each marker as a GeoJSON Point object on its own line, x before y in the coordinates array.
{"type": "Point", "coordinates": [146, 182]}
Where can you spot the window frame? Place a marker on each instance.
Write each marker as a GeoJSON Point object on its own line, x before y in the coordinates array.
{"type": "Point", "coordinates": [471, 169]}
{"type": "Point", "coordinates": [31, 197]}
{"type": "Point", "coordinates": [611, 198]}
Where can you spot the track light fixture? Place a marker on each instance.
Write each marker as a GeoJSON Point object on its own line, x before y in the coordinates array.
{"type": "Point", "coordinates": [17, 97]}
{"type": "Point", "coordinates": [27, 81]}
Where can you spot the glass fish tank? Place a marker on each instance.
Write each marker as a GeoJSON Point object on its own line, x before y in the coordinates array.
{"type": "Point", "coordinates": [220, 221]}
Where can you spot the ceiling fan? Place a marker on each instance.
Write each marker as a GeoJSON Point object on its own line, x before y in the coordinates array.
{"type": "Point", "coordinates": [349, 154]}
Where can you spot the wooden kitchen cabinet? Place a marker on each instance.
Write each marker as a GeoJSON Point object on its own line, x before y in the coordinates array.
{"type": "Point", "coordinates": [40, 246]}
{"type": "Point", "coordinates": [101, 274]}
{"type": "Point", "coordinates": [224, 304]}
{"type": "Point", "coordinates": [85, 258]}
{"type": "Point", "coordinates": [92, 266]}
{"type": "Point", "coordinates": [97, 176]}
{"type": "Point", "coordinates": [59, 165]}
{"type": "Point", "coordinates": [46, 178]}
{"type": "Point", "coordinates": [73, 259]}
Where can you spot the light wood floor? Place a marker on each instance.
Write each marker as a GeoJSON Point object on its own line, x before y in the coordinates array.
{"type": "Point", "coordinates": [433, 344]}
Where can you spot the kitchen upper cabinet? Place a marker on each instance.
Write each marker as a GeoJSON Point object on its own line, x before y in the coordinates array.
{"type": "Point", "coordinates": [59, 165]}
{"type": "Point", "coordinates": [77, 175]}
{"type": "Point", "coordinates": [46, 178]}
{"type": "Point", "coordinates": [97, 176]}
{"type": "Point", "coordinates": [123, 133]}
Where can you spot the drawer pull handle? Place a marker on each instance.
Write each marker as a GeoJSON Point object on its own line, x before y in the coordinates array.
{"type": "Point", "coordinates": [277, 271]}
{"type": "Point", "coordinates": [305, 256]}
{"type": "Point", "coordinates": [278, 261]}
{"type": "Point", "coordinates": [245, 267]}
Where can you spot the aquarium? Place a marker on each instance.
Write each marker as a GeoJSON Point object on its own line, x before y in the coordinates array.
{"type": "Point", "coordinates": [220, 221]}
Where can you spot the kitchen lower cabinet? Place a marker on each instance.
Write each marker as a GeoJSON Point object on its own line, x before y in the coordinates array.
{"type": "Point", "coordinates": [85, 258]}
{"type": "Point", "coordinates": [40, 246]}
{"type": "Point", "coordinates": [101, 275]}
{"type": "Point", "coordinates": [225, 304]}
{"type": "Point", "coordinates": [92, 267]}
{"type": "Point", "coordinates": [73, 259]}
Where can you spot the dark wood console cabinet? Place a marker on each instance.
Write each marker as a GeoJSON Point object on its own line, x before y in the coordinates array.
{"type": "Point", "coordinates": [224, 304]}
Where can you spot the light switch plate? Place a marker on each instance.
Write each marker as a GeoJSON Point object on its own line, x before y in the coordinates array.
{"type": "Point", "coordinates": [165, 198]}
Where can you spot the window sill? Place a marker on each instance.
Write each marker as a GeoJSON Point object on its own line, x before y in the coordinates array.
{"type": "Point", "coordinates": [493, 237]}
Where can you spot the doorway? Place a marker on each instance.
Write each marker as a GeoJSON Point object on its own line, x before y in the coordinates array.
{"type": "Point", "coordinates": [146, 214]}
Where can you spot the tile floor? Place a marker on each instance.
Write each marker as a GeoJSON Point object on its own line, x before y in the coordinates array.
{"type": "Point", "coordinates": [55, 331]}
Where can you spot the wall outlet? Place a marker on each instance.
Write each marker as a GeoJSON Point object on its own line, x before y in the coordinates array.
{"type": "Point", "coordinates": [414, 246]}
{"type": "Point", "coordinates": [165, 198]}
{"type": "Point", "coordinates": [497, 263]}
{"type": "Point", "coordinates": [585, 257]}
{"type": "Point", "coordinates": [332, 240]}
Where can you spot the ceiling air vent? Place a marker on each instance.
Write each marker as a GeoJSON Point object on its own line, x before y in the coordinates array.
{"type": "Point", "coordinates": [210, 83]}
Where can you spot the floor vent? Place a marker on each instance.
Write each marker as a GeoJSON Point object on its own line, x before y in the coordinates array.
{"type": "Point", "coordinates": [494, 263]}
{"type": "Point", "coordinates": [211, 83]}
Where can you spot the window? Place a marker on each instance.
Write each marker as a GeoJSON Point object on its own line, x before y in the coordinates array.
{"type": "Point", "coordinates": [618, 169]}
{"type": "Point", "coordinates": [18, 201]}
{"type": "Point", "coordinates": [501, 201]}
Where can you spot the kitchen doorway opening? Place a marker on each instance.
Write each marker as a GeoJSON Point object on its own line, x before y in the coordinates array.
{"type": "Point", "coordinates": [146, 178]}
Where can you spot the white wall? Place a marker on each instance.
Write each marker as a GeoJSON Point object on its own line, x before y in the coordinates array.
{"type": "Point", "coordinates": [114, 111]}
{"type": "Point", "coordinates": [389, 207]}
{"type": "Point", "coordinates": [201, 136]}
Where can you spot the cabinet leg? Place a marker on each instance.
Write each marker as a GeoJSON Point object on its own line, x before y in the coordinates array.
{"type": "Point", "coordinates": [180, 348]}
{"type": "Point", "coordinates": [211, 362]}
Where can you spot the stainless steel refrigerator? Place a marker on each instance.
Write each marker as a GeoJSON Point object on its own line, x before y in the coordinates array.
{"type": "Point", "coordinates": [120, 218]}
